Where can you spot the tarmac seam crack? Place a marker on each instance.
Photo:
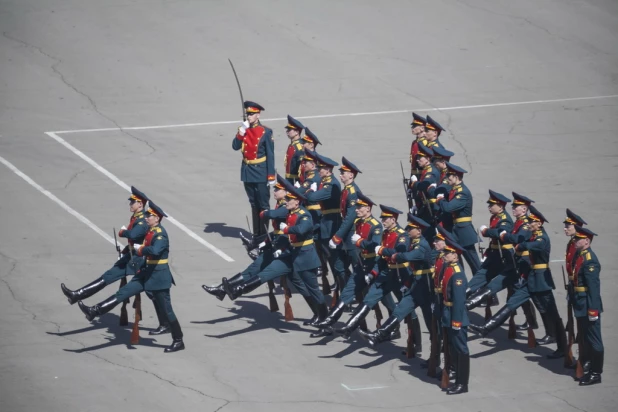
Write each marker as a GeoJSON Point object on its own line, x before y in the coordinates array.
{"type": "Point", "coordinates": [96, 109]}
{"type": "Point", "coordinates": [567, 402]}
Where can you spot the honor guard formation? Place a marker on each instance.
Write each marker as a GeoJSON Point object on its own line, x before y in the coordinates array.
{"type": "Point", "coordinates": [321, 225]}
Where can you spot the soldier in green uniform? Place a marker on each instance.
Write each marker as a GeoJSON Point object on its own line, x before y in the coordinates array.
{"type": "Point", "coordinates": [455, 317]}
{"type": "Point", "coordinates": [418, 131]}
{"type": "Point", "coordinates": [265, 243]}
{"type": "Point", "coordinates": [423, 207]}
{"type": "Point", "coordinates": [153, 276]}
{"type": "Point", "coordinates": [440, 157]}
{"type": "Point", "coordinates": [294, 152]}
{"type": "Point", "coordinates": [367, 235]}
{"type": "Point", "coordinates": [459, 204]}
{"type": "Point", "coordinates": [294, 255]}
{"type": "Point", "coordinates": [585, 296]}
{"type": "Point", "coordinates": [328, 194]}
{"type": "Point", "coordinates": [432, 133]}
{"type": "Point", "coordinates": [257, 170]}
{"type": "Point", "coordinates": [498, 270]}
{"type": "Point", "coordinates": [134, 233]}
{"type": "Point", "coordinates": [310, 142]}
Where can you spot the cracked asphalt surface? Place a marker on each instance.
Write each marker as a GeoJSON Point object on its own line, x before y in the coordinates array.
{"type": "Point", "coordinates": [68, 64]}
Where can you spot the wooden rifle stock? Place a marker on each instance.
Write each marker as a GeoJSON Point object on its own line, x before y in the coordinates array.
{"type": "Point", "coordinates": [568, 357]}
{"type": "Point", "coordinates": [434, 355]}
{"type": "Point", "coordinates": [447, 361]}
{"type": "Point", "coordinates": [137, 305]}
{"type": "Point", "coordinates": [288, 313]}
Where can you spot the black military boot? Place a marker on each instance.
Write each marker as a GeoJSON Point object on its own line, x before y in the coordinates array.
{"type": "Point", "coordinates": [332, 317]}
{"type": "Point", "coordinates": [164, 325]}
{"type": "Point", "coordinates": [314, 309]}
{"type": "Point", "coordinates": [358, 316]}
{"type": "Point", "coordinates": [83, 293]}
{"type": "Point", "coordinates": [383, 333]}
{"type": "Point", "coordinates": [217, 291]}
{"type": "Point", "coordinates": [463, 376]}
{"type": "Point", "coordinates": [417, 337]}
{"type": "Point", "coordinates": [322, 314]}
{"type": "Point", "coordinates": [498, 319]}
{"type": "Point", "coordinates": [99, 309]}
{"type": "Point", "coordinates": [550, 330]}
{"type": "Point", "coordinates": [235, 290]}
{"type": "Point", "coordinates": [561, 340]}
{"type": "Point", "coordinates": [477, 298]}
{"type": "Point", "coordinates": [596, 369]}
{"type": "Point", "coordinates": [494, 301]}
{"type": "Point", "coordinates": [177, 343]}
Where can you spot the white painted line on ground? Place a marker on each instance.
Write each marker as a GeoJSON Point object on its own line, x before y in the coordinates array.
{"type": "Point", "coordinates": [362, 389]}
{"type": "Point", "coordinates": [557, 261]}
{"type": "Point", "coordinates": [63, 205]}
{"type": "Point", "coordinates": [326, 116]}
{"type": "Point", "coordinates": [126, 187]}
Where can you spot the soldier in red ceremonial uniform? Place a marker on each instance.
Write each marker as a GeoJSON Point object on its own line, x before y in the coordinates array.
{"type": "Point", "coordinates": [257, 171]}
{"type": "Point", "coordinates": [295, 151]}
{"type": "Point", "coordinates": [418, 131]}
{"type": "Point", "coordinates": [310, 142]}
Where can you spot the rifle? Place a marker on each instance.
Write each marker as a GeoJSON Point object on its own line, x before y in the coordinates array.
{"type": "Point", "coordinates": [530, 315]}
{"type": "Point", "coordinates": [447, 361]}
{"type": "Point", "coordinates": [124, 316]}
{"type": "Point", "coordinates": [289, 314]}
{"type": "Point", "coordinates": [406, 182]}
{"type": "Point", "coordinates": [434, 355]}
{"type": "Point", "coordinates": [568, 358]}
{"type": "Point", "coordinates": [324, 269]}
{"type": "Point", "coordinates": [137, 305]}
{"type": "Point", "coordinates": [242, 100]}
{"type": "Point", "coordinates": [512, 330]}
{"type": "Point", "coordinates": [274, 306]}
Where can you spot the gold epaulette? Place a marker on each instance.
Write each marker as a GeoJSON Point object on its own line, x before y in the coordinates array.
{"type": "Point", "coordinates": [374, 222]}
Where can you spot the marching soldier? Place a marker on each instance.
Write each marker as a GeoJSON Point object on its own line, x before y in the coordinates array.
{"type": "Point", "coordinates": [310, 142]}
{"type": "Point", "coordinates": [498, 269]}
{"type": "Point", "coordinates": [587, 304]}
{"type": "Point", "coordinates": [342, 239]}
{"type": "Point", "coordinates": [328, 194]}
{"type": "Point", "coordinates": [455, 317]}
{"type": "Point", "coordinates": [264, 258]}
{"type": "Point", "coordinates": [257, 171]}
{"type": "Point", "coordinates": [135, 234]}
{"type": "Point", "coordinates": [294, 256]}
{"type": "Point", "coordinates": [570, 222]}
{"type": "Point", "coordinates": [367, 235]}
{"type": "Point", "coordinates": [153, 276]}
{"type": "Point", "coordinates": [415, 290]}
{"type": "Point", "coordinates": [459, 204]}
{"type": "Point", "coordinates": [432, 133]}
{"type": "Point", "coordinates": [418, 131]}
{"type": "Point", "coordinates": [294, 152]}
{"type": "Point", "coordinates": [419, 186]}
{"type": "Point", "coordinates": [440, 157]}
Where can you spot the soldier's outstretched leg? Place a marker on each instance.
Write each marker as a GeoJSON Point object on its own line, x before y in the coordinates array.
{"type": "Point", "coordinates": [494, 322]}
{"type": "Point", "coordinates": [472, 258]}
{"type": "Point", "coordinates": [359, 314]}
{"type": "Point", "coordinates": [217, 291]}
{"type": "Point", "coordinates": [164, 325]}
{"type": "Point", "coordinates": [382, 334]}
{"type": "Point", "coordinates": [100, 308]}
{"type": "Point", "coordinates": [84, 292]}
{"type": "Point", "coordinates": [233, 291]}
{"type": "Point", "coordinates": [478, 297]}
{"type": "Point", "coordinates": [333, 316]}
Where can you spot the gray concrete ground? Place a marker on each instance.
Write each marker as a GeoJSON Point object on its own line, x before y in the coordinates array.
{"type": "Point", "coordinates": [507, 78]}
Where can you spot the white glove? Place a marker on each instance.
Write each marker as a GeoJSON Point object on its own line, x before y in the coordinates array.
{"type": "Point", "coordinates": [433, 307]}
{"type": "Point", "coordinates": [440, 196]}
{"type": "Point", "coordinates": [368, 278]}
{"type": "Point", "coordinates": [413, 210]}
{"type": "Point", "coordinates": [355, 237]}
{"type": "Point", "coordinates": [242, 130]}
{"type": "Point", "coordinates": [404, 289]}
{"type": "Point", "coordinates": [136, 246]}
{"type": "Point", "coordinates": [314, 186]}
{"type": "Point", "coordinates": [593, 318]}
{"type": "Point", "coordinates": [377, 249]}
{"type": "Point", "coordinates": [277, 253]}
{"type": "Point", "coordinates": [271, 182]}
{"type": "Point", "coordinates": [502, 233]}
{"type": "Point", "coordinates": [433, 185]}
{"type": "Point", "coordinates": [455, 327]}
{"type": "Point", "coordinates": [282, 226]}
{"type": "Point", "coordinates": [123, 227]}
{"type": "Point", "coordinates": [332, 244]}
{"type": "Point", "coordinates": [297, 184]}
{"type": "Point", "coordinates": [482, 228]}
{"type": "Point", "coordinates": [413, 178]}
{"type": "Point", "coordinates": [246, 124]}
